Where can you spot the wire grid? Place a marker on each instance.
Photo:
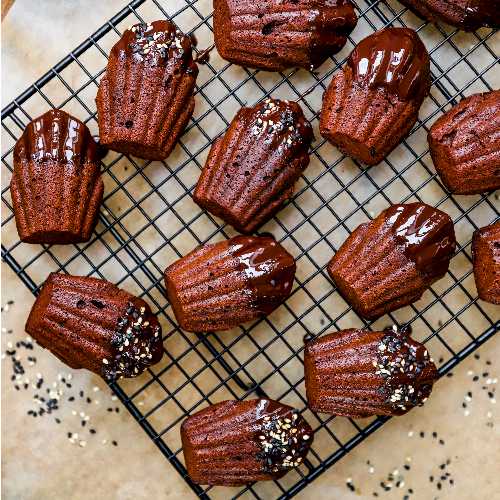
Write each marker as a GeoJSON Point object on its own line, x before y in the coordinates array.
{"type": "Point", "coordinates": [265, 357]}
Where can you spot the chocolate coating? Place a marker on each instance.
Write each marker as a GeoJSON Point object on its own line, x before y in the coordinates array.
{"type": "Point", "coordinates": [56, 186]}
{"type": "Point", "coordinates": [358, 374]}
{"type": "Point", "coordinates": [268, 269]}
{"type": "Point", "coordinates": [92, 324]}
{"type": "Point", "coordinates": [389, 262]}
{"type": "Point", "coordinates": [392, 58]}
{"type": "Point", "coordinates": [253, 168]}
{"type": "Point", "coordinates": [146, 97]}
{"type": "Point", "coordinates": [427, 235]}
{"type": "Point", "coordinates": [223, 285]}
{"type": "Point", "coordinates": [276, 35]}
{"type": "Point", "coordinates": [484, 12]}
{"type": "Point", "coordinates": [233, 443]}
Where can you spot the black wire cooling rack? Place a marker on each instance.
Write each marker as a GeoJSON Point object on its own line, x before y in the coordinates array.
{"type": "Point", "coordinates": [148, 220]}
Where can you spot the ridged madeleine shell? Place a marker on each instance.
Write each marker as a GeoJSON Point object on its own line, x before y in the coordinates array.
{"type": "Point", "coordinates": [276, 35]}
{"type": "Point", "coordinates": [75, 318]}
{"type": "Point", "coordinates": [144, 105]}
{"type": "Point", "coordinates": [247, 177]}
{"type": "Point", "coordinates": [56, 186]}
{"type": "Point", "coordinates": [465, 145]}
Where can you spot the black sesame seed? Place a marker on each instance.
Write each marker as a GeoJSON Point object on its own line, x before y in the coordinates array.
{"type": "Point", "coordinates": [449, 374]}
{"type": "Point", "coordinates": [81, 394]}
{"type": "Point", "coordinates": [71, 398]}
{"type": "Point", "coordinates": [431, 479]}
{"type": "Point", "coordinates": [115, 443]}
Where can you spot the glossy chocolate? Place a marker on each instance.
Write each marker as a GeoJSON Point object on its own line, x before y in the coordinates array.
{"type": "Point", "coordinates": [269, 270]}
{"type": "Point", "coordinates": [203, 57]}
{"type": "Point", "coordinates": [427, 234]}
{"type": "Point", "coordinates": [407, 370]}
{"type": "Point", "coordinates": [486, 12]}
{"type": "Point", "coordinates": [281, 124]}
{"type": "Point", "coordinates": [329, 24]}
{"type": "Point", "coordinates": [157, 43]}
{"type": "Point", "coordinates": [137, 342]}
{"type": "Point", "coordinates": [56, 136]}
{"type": "Point", "coordinates": [283, 435]}
{"type": "Point", "coordinates": [392, 58]}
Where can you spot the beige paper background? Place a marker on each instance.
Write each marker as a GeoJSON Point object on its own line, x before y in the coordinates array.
{"type": "Point", "coordinates": [38, 460]}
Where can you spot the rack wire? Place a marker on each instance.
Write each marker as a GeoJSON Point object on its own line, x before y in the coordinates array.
{"type": "Point", "coordinates": [148, 220]}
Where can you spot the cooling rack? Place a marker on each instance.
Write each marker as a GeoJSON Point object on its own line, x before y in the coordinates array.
{"type": "Point", "coordinates": [148, 220]}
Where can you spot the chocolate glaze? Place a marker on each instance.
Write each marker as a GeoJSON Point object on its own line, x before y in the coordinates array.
{"type": "Point", "coordinates": [407, 370]}
{"type": "Point", "coordinates": [391, 58]}
{"type": "Point", "coordinates": [280, 123]}
{"type": "Point", "coordinates": [329, 25]}
{"type": "Point", "coordinates": [284, 436]}
{"type": "Point", "coordinates": [203, 57]}
{"type": "Point", "coordinates": [486, 12]}
{"type": "Point", "coordinates": [269, 270]}
{"type": "Point", "coordinates": [135, 342]}
{"type": "Point", "coordinates": [56, 136]}
{"type": "Point", "coordinates": [102, 150]}
{"type": "Point", "coordinates": [157, 43]}
{"type": "Point", "coordinates": [427, 235]}
{"type": "Point", "coordinates": [307, 338]}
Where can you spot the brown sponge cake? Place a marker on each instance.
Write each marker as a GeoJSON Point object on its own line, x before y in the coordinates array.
{"type": "Point", "coordinates": [275, 35]}
{"type": "Point", "coordinates": [373, 103]}
{"type": "Point", "coordinates": [466, 15]}
{"type": "Point", "coordinates": [486, 259]}
{"type": "Point", "coordinates": [56, 186]}
{"type": "Point", "coordinates": [237, 442]}
{"type": "Point", "coordinates": [92, 324]}
{"type": "Point", "coordinates": [145, 98]}
{"type": "Point", "coordinates": [389, 262]}
{"type": "Point", "coordinates": [358, 374]}
{"type": "Point", "coordinates": [223, 285]}
{"type": "Point", "coordinates": [252, 170]}
{"type": "Point", "coordinates": [465, 145]}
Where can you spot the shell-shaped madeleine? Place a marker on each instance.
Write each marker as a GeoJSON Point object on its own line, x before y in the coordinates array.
{"type": "Point", "coordinates": [232, 444]}
{"type": "Point", "coordinates": [374, 101]}
{"type": "Point", "coordinates": [465, 145]}
{"type": "Point", "coordinates": [276, 35]}
{"type": "Point", "coordinates": [145, 98]}
{"type": "Point", "coordinates": [223, 285]}
{"type": "Point", "coordinates": [92, 324]}
{"type": "Point", "coordinates": [466, 15]}
{"type": "Point", "coordinates": [253, 168]}
{"type": "Point", "coordinates": [389, 262]}
{"type": "Point", "coordinates": [486, 259]}
{"type": "Point", "coordinates": [358, 374]}
{"type": "Point", "coordinates": [56, 186]}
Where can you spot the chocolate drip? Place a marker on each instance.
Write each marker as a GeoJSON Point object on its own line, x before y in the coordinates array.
{"type": "Point", "coordinates": [56, 136]}
{"type": "Point", "coordinates": [203, 57]}
{"type": "Point", "coordinates": [392, 58]}
{"type": "Point", "coordinates": [407, 369]}
{"type": "Point", "coordinates": [284, 436]}
{"type": "Point", "coordinates": [157, 43]}
{"type": "Point", "coordinates": [137, 342]}
{"type": "Point", "coordinates": [486, 12]}
{"type": "Point", "coordinates": [102, 150]}
{"type": "Point", "coordinates": [269, 270]}
{"type": "Point", "coordinates": [427, 235]}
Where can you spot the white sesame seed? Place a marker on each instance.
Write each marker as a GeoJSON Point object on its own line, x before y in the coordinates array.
{"type": "Point", "coordinates": [402, 484]}
{"type": "Point", "coordinates": [82, 414]}
{"type": "Point", "coordinates": [408, 459]}
{"type": "Point", "coordinates": [95, 389]}
{"type": "Point", "coordinates": [70, 376]}
{"type": "Point", "coordinates": [4, 330]}
{"type": "Point", "coordinates": [348, 480]}
{"type": "Point", "coordinates": [82, 444]}
{"type": "Point", "coordinates": [105, 361]}
{"type": "Point", "coordinates": [96, 402]}
{"type": "Point", "coordinates": [489, 381]}
{"type": "Point", "coordinates": [87, 418]}
{"type": "Point", "coordinates": [104, 441]}
{"type": "Point", "coordinates": [267, 418]}
{"type": "Point", "coordinates": [9, 345]}
{"type": "Point", "coordinates": [29, 339]}
{"type": "Point", "coordinates": [372, 470]}
{"type": "Point", "coordinates": [396, 472]}
{"type": "Point", "coordinates": [114, 398]}
{"type": "Point", "coordinates": [54, 384]}
{"type": "Point", "coordinates": [410, 434]}
{"type": "Point", "coordinates": [493, 401]}
{"type": "Point", "coordinates": [6, 308]}
{"type": "Point", "coordinates": [3, 356]}
{"type": "Point", "coordinates": [74, 436]}
{"type": "Point", "coordinates": [73, 412]}
{"type": "Point", "coordinates": [470, 372]}
{"type": "Point", "coordinates": [305, 437]}
{"type": "Point", "coordinates": [489, 414]}
{"type": "Point", "coordinates": [72, 441]}
{"type": "Point", "coordinates": [140, 403]}
{"type": "Point", "coordinates": [468, 398]}
{"type": "Point", "coordinates": [495, 380]}
{"type": "Point", "coordinates": [466, 413]}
